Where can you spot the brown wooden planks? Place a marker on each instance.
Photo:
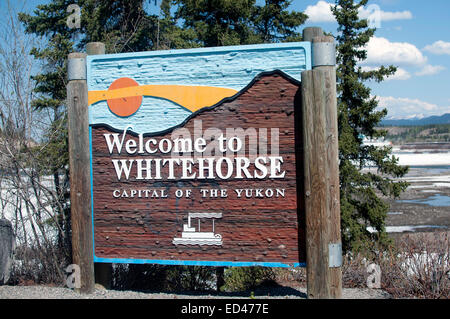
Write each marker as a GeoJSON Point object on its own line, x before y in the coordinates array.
{"type": "Point", "coordinates": [253, 229]}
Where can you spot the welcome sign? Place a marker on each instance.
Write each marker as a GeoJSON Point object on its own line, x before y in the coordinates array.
{"type": "Point", "coordinates": [196, 157]}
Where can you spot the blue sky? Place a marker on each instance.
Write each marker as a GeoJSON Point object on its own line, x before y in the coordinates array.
{"type": "Point", "coordinates": [412, 35]}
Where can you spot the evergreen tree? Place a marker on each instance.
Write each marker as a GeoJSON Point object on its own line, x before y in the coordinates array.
{"type": "Point", "coordinates": [123, 25]}
{"type": "Point", "coordinates": [362, 192]}
{"type": "Point", "coordinates": [235, 22]}
{"type": "Point", "coordinates": [169, 35]}
{"type": "Point", "coordinates": [126, 26]}
{"type": "Point", "coordinates": [217, 22]}
{"type": "Point", "coordinates": [274, 23]}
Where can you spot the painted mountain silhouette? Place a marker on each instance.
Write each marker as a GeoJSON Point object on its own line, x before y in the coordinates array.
{"type": "Point", "coordinates": [160, 116]}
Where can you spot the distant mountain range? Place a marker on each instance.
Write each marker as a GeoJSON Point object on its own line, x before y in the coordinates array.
{"type": "Point", "coordinates": [443, 119]}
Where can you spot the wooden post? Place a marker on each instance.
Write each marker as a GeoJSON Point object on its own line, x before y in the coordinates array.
{"type": "Point", "coordinates": [310, 33]}
{"type": "Point", "coordinates": [103, 271]}
{"type": "Point", "coordinates": [79, 161]}
{"type": "Point", "coordinates": [322, 205]}
{"type": "Point", "coordinates": [95, 48]}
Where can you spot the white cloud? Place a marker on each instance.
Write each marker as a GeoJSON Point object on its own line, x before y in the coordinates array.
{"type": "Point", "coordinates": [402, 108]}
{"type": "Point", "coordinates": [365, 13]}
{"type": "Point", "coordinates": [382, 51]}
{"type": "Point", "coordinates": [401, 74]}
{"type": "Point", "coordinates": [321, 12]}
{"type": "Point", "coordinates": [430, 70]}
{"type": "Point", "coordinates": [439, 47]}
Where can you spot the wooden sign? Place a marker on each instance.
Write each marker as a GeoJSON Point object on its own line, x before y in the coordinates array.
{"type": "Point", "coordinates": [196, 156]}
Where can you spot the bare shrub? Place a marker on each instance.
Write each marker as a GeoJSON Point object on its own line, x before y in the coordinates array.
{"type": "Point", "coordinates": [417, 266]}
{"type": "Point", "coordinates": [420, 268]}
{"type": "Point", "coordinates": [289, 275]}
{"type": "Point", "coordinates": [32, 196]}
{"type": "Point", "coordinates": [354, 273]}
{"type": "Point", "coordinates": [36, 265]}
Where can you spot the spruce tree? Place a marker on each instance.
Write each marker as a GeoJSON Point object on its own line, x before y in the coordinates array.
{"type": "Point", "coordinates": [169, 35]}
{"type": "Point", "coordinates": [235, 22]}
{"type": "Point", "coordinates": [273, 22]}
{"type": "Point", "coordinates": [123, 25]}
{"type": "Point", "coordinates": [217, 22]}
{"type": "Point", "coordinates": [362, 191]}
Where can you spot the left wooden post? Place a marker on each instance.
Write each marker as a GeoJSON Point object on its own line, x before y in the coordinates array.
{"type": "Point", "coordinates": [79, 161]}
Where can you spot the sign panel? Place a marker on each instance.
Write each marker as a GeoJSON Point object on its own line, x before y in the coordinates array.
{"type": "Point", "coordinates": [195, 156]}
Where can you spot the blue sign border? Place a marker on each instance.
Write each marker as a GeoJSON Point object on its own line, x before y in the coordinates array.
{"type": "Point", "coordinates": [226, 49]}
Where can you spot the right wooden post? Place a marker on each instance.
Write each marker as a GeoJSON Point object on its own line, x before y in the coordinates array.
{"type": "Point", "coordinates": [321, 171]}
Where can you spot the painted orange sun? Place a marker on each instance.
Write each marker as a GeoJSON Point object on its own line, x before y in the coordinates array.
{"type": "Point", "coordinates": [126, 105]}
